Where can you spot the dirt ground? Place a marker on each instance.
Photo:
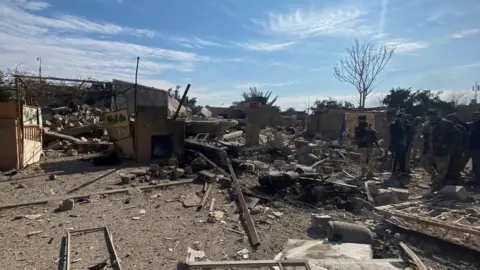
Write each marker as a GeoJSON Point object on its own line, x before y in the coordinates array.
{"type": "Point", "coordinates": [152, 230]}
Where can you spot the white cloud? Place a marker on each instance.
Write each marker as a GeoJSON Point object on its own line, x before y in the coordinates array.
{"type": "Point", "coordinates": [405, 46]}
{"type": "Point", "coordinates": [265, 47]}
{"type": "Point", "coordinates": [12, 12]}
{"type": "Point", "coordinates": [26, 36]}
{"type": "Point", "coordinates": [302, 23]}
{"type": "Point", "coordinates": [195, 42]}
{"type": "Point", "coordinates": [466, 33]}
{"type": "Point", "coordinates": [34, 5]}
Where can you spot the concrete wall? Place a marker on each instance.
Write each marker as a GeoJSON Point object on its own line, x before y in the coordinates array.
{"type": "Point", "coordinates": [146, 96]}
{"type": "Point", "coordinates": [265, 116]}
{"type": "Point", "coordinates": [329, 123]}
{"type": "Point", "coordinates": [151, 120]}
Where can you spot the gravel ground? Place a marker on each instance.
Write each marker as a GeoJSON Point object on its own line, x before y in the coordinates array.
{"type": "Point", "coordinates": [150, 230]}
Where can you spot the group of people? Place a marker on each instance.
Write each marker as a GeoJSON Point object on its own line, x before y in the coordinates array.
{"type": "Point", "coordinates": [444, 145]}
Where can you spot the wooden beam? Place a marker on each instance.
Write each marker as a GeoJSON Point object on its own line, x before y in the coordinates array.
{"type": "Point", "coordinates": [457, 227]}
{"type": "Point", "coordinates": [113, 251]}
{"type": "Point", "coordinates": [246, 264]}
{"type": "Point", "coordinates": [205, 197]}
{"type": "Point", "coordinates": [413, 256]}
{"type": "Point", "coordinates": [114, 191]}
{"type": "Point", "coordinates": [252, 233]}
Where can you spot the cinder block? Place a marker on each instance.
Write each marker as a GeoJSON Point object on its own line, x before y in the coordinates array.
{"type": "Point", "coordinates": [320, 221]}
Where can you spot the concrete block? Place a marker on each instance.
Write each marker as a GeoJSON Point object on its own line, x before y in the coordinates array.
{"type": "Point", "coordinates": [126, 178]}
{"type": "Point", "coordinates": [401, 193]}
{"type": "Point", "coordinates": [205, 112]}
{"type": "Point", "coordinates": [458, 193]}
{"type": "Point", "coordinates": [386, 197]}
{"type": "Point", "coordinates": [320, 221]}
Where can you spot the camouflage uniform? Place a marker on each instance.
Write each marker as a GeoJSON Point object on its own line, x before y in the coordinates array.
{"type": "Point", "coordinates": [386, 123]}
{"type": "Point", "coordinates": [456, 159]}
{"type": "Point", "coordinates": [417, 139]}
{"type": "Point", "coordinates": [409, 122]}
{"type": "Point", "coordinates": [366, 138]}
{"type": "Point", "coordinates": [439, 139]}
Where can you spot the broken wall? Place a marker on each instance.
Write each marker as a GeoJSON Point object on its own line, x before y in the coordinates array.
{"type": "Point", "coordinates": [146, 96]}
{"type": "Point", "coordinates": [330, 123]}
{"type": "Point", "coordinates": [151, 121]}
{"type": "Point", "coordinates": [265, 116]}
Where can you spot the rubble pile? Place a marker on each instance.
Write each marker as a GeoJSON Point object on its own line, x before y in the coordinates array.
{"type": "Point", "coordinates": [66, 126]}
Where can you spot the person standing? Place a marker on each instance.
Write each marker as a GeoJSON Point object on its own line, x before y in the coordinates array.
{"type": "Point", "coordinates": [474, 147]}
{"type": "Point", "coordinates": [410, 135]}
{"type": "Point", "coordinates": [460, 147]}
{"type": "Point", "coordinates": [417, 139]}
{"type": "Point", "coordinates": [366, 139]}
{"type": "Point", "coordinates": [390, 115]}
{"type": "Point", "coordinates": [440, 136]}
{"type": "Point", "coordinates": [398, 143]}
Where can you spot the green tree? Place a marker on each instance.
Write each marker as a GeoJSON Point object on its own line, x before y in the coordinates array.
{"type": "Point", "coordinates": [255, 95]}
{"type": "Point", "coordinates": [331, 104]}
{"type": "Point", "coordinates": [417, 102]}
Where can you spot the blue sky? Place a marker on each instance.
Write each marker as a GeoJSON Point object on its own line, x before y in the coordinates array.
{"type": "Point", "coordinates": [222, 47]}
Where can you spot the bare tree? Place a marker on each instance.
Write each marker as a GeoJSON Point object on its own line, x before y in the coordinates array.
{"type": "Point", "coordinates": [361, 67]}
{"type": "Point", "coordinates": [458, 97]}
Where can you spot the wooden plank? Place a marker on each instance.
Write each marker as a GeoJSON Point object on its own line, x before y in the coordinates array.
{"type": "Point", "coordinates": [113, 250]}
{"type": "Point", "coordinates": [205, 197]}
{"type": "Point", "coordinates": [218, 168]}
{"type": "Point", "coordinates": [68, 263]}
{"type": "Point", "coordinates": [413, 256]}
{"type": "Point", "coordinates": [252, 233]}
{"type": "Point", "coordinates": [114, 191]}
{"type": "Point", "coordinates": [87, 230]}
{"type": "Point", "coordinates": [246, 264]}
{"type": "Point", "coordinates": [458, 227]}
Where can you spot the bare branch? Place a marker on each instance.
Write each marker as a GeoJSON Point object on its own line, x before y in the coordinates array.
{"type": "Point", "coordinates": [362, 65]}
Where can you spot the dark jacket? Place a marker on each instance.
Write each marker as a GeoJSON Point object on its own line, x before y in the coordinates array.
{"type": "Point", "coordinates": [444, 135]}
{"type": "Point", "coordinates": [401, 135]}
{"type": "Point", "coordinates": [464, 141]}
{"type": "Point", "coordinates": [365, 136]}
{"type": "Point", "coordinates": [474, 137]}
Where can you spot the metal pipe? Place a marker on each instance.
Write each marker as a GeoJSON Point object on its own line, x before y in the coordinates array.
{"type": "Point", "coordinates": [181, 102]}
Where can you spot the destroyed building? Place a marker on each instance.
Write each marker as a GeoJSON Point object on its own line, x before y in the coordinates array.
{"type": "Point", "coordinates": [144, 183]}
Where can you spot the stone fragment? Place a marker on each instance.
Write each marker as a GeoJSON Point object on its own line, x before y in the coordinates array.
{"type": "Point", "coordinates": [67, 205]}
{"type": "Point", "coordinates": [126, 178]}
{"type": "Point", "coordinates": [386, 197]}
{"type": "Point", "coordinates": [458, 193]}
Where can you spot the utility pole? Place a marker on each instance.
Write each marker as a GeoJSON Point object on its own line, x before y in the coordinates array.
{"type": "Point", "coordinates": [475, 89]}
{"type": "Point", "coordinates": [40, 68]}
